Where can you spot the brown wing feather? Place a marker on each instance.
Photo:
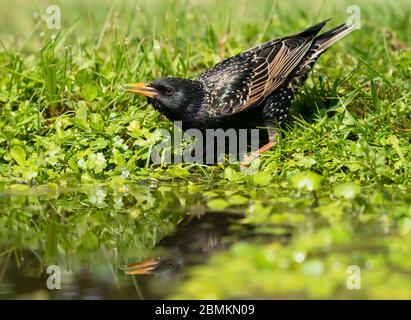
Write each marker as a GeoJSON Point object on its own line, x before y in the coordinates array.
{"type": "Point", "coordinates": [278, 67]}
{"type": "Point", "coordinates": [243, 81]}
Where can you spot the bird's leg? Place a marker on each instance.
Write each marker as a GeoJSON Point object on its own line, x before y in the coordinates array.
{"type": "Point", "coordinates": [272, 140]}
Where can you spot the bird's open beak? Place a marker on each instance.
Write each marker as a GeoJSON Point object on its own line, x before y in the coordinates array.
{"type": "Point", "coordinates": [143, 267]}
{"type": "Point", "coordinates": [141, 88]}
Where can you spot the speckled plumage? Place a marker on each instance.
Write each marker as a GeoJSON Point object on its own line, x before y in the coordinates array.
{"type": "Point", "coordinates": [263, 79]}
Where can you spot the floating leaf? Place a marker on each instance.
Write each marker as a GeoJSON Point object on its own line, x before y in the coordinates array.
{"type": "Point", "coordinates": [237, 200]}
{"type": "Point", "coordinates": [262, 178]}
{"type": "Point", "coordinates": [232, 175]}
{"type": "Point", "coordinates": [19, 155]}
{"type": "Point", "coordinates": [308, 181]}
{"type": "Point", "coordinates": [96, 161]}
{"type": "Point", "coordinates": [348, 190]}
{"type": "Point", "coordinates": [217, 204]}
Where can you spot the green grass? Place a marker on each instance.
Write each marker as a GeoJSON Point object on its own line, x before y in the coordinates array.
{"type": "Point", "coordinates": [63, 121]}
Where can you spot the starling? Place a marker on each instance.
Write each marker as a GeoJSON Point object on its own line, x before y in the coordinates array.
{"type": "Point", "coordinates": [153, 267]}
{"type": "Point", "coordinates": [253, 88]}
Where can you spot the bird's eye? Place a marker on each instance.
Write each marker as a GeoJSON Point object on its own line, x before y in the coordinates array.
{"type": "Point", "coordinates": [168, 91]}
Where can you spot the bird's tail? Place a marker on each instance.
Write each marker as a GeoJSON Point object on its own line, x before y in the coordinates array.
{"type": "Point", "coordinates": [327, 39]}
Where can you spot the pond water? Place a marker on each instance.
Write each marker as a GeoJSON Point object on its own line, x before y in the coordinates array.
{"type": "Point", "coordinates": [92, 233]}
{"type": "Point", "coordinates": [173, 242]}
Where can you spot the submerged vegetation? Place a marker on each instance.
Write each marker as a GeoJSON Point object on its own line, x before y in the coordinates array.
{"type": "Point", "coordinates": [77, 187]}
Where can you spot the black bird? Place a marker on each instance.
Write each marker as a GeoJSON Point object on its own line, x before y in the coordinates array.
{"type": "Point", "coordinates": [192, 242]}
{"type": "Point", "coordinates": [253, 88]}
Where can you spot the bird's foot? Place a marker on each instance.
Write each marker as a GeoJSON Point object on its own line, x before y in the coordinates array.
{"type": "Point", "coordinates": [256, 154]}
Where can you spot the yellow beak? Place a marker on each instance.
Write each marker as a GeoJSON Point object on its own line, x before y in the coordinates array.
{"type": "Point", "coordinates": [143, 267]}
{"type": "Point", "coordinates": [141, 88]}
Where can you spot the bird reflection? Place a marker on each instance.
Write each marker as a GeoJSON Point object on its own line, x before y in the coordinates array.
{"type": "Point", "coordinates": [191, 244]}
{"type": "Point", "coordinates": [154, 267]}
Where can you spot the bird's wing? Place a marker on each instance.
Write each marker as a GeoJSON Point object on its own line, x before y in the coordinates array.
{"type": "Point", "coordinates": [242, 81]}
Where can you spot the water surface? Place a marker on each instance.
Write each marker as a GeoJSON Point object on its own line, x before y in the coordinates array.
{"type": "Point", "coordinates": [277, 246]}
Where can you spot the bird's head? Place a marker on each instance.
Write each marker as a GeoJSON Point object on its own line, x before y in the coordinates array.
{"type": "Point", "coordinates": [173, 97]}
{"type": "Point", "coordinates": [158, 268]}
